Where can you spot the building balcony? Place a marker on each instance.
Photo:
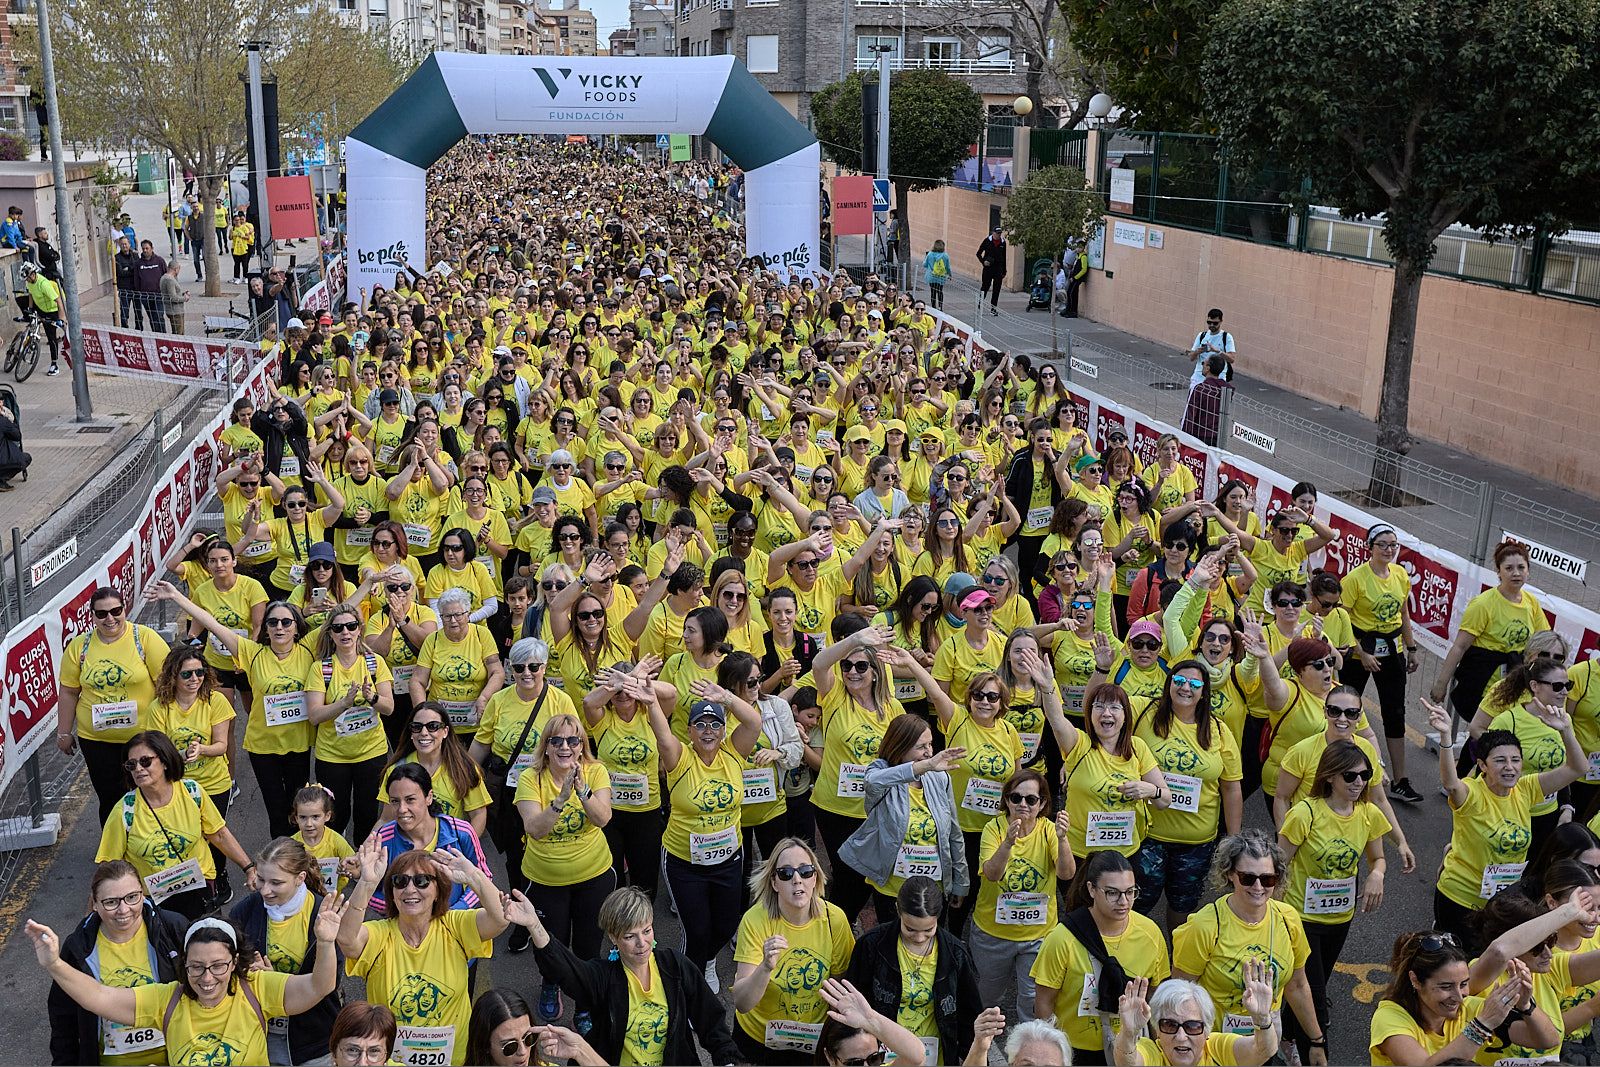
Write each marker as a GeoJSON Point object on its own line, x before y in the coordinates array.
{"type": "Point", "coordinates": [993, 67]}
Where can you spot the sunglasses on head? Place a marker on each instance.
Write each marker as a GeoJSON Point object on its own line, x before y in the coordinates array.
{"type": "Point", "coordinates": [787, 873]}
{"type": "Point", "coordinates": [429, 727]}
{"type": "Point", "coordinates": [421, 881]}
{"type": "Point", "coordinates": [1247, 879]}
{"type": "Point", "coordinates": [142, 763]}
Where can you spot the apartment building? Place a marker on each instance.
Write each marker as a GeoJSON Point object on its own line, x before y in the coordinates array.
{"type": "Point", "coordinates": [563, 30]}
{"type": "Point", "coordinates": [651, 31]}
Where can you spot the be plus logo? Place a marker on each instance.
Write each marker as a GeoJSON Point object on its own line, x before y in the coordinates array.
{"type": "Point", "coordinates": [592, 88]}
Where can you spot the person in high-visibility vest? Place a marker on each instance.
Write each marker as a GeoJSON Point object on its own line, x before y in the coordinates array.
{"type": "Point", "coordinates": [46, 297]}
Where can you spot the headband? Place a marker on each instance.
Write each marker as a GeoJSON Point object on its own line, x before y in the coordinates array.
{"type": "Point", "coordinates": [1378, 529]}
{"type": "Point", "coordinates": [211, 924]}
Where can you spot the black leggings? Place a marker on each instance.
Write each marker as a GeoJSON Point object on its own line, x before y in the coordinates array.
{"type": "Point", "coordinates": [398, 721]}
{"type": "Point", "coordinates": [1472, 677]}
{"type": "Point", "coordinates": [1390, 679]}
{"type": "Point", "coordinates": [847, 887]}
{"type": "Point", "coordinates": [1327, 941]}
{"type": "Point", "coordinates": [572, 914]}
{"type": "Point", "coordinates": [710, 903]}
{"type": "Point", "coordinates": [1250, 756]}
{"type": "Point", "coordinates": [280, 778]}
{"type": "Point", "coordinates": [1451, 918]}
{"type": "Point", "coordinates": [241, 266]}
{"type": "Point", "coordinates": [1027, 559]}
{"type": "Point", "coordinates": [635, 840]}
{"type": "Point", "coordinates": [190, 905]}
{"type": "Point", "coordinates": [355, 793]}
{"type": "Point", "coordinates": [801, 820]}
{"type": "Point", "coordinates": [104, 760]}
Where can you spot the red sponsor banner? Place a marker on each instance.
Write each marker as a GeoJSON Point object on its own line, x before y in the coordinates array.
{"type": "Point", "coordinates": [166, 532]}
{"type": "Point", "coordinates": [1434, 588]}
{"type": "Point", "coordinates": [149, 558]}
{"type": "Point", "coordinates": [1143, 442]}
{"type": "Point", "coordinates": [1081, 403]}
{"type": "Point", "coordinates": [1227, 472]}
{"type": "Point", "coordinates": [1588, 646]}
{"type": "Point", "coordinates": [1106, 420]}
{"type": "Point", "coordinates": [294, 207]}
{"type": "Point", "coordinates": [75, 616]}
{"type": "Point", "coordinates": [852, 204]}
{"type": "Point", "coordinates": [122, 571]}
{"type": "Point", "coordinates": [1348, 550]}
{"type": "Point", "coordinates": [164, 356]}
{"type": "Point", "coordinates": [317, 299]}
{"type": "Point", "coordinates": [183, 497]}
{"type": "Point", "coordinates": [31, 688]}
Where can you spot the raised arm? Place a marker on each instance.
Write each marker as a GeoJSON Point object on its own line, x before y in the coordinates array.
{"type": "Point", "coordinates": [113, 1005]}
{"type": "Point", "coordinates": [1454, 789]}
{"type": "Point", "coordinates": [302, 992]}
{"type": "Point", "coordinates": [167, 591]}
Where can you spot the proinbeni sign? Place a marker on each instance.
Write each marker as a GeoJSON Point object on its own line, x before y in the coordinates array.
{"type": "Point", "coordinates": [1552, 559]}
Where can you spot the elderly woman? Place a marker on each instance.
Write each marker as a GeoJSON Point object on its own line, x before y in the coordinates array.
{"type": "Point", "coordinates": [1184, 1017]}
{"type": "Point", "coordinates": [362, 1033]}
{"type": "Point", "coordinates": [458, 665]}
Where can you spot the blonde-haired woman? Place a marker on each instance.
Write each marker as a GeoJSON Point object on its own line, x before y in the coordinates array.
{"type": "Point", "coordinates": [789, 942]}
{"type": "Point", "coordinates": [730, 594]}
{"type": "Point", "coordinates": [564, 799]}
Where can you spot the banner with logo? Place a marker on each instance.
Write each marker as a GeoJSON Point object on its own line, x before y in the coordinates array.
{"type": "Point", "coordinates": [186, 360]}
{"type": "Point", "coordinates": [453, 94]}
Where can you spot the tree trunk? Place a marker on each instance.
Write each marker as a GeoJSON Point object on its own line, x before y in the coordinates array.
{"type": "Point", "coordinates": [902, 199]}
{"type": "Point", "coordinates": [1033, 90]}
{"type": "Point", "coordinates": [209, 184]}
{"type": "Point", "coordinates": [1394, 404]}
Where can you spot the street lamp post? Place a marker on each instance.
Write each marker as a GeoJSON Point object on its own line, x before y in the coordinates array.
{"type": "Point", "coordinates": [83, 408]}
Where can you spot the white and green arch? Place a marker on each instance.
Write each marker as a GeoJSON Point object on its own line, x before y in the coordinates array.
{"type": "Point", "coordinates": [455, 94]}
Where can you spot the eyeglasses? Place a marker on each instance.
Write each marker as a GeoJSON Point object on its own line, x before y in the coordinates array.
{"type": "Point", "coordinates": [190, 675]}
{"type": "Point", "coordinates": [553, 586]}
{"type": "Point", "coordinates": [564, 742]}
{"type": "Point", "coordinates": [527, 1041]}
{"type": "Point", "coordinates": [1320, 664]}
{"type": "Point", "coordinates": [398, 587]}
{"type": "Point", "coordinates": [874, 1060]}
{"type": "Point", "coordinates": [386, 543]}
{"type": "Point", "coordinates": [1116, 896]}
{"type": "Point", "coordinates": [215, 970]}
{"type": "Point", "coordinates": [526, 668]}
{"type": "Point", "coordinates": [1247, 879]}
{"type": "Point", "coordinates": [429, 727]}
{"type": "Point", "coordinates": [108, 613]}
{"type": "Point", "coordinates": [344, 627]}
{"type": "Point", "coordinates": [1342, 713]}
{"type": "Point", "coordinates": [787, 873]}
{"type": "Point", "coordinates": [449, 615]}
{"type": "Point", "coordinates": [280, 620]}
{"type": "Point", "coordinates": [1180, 681]}
{"type": "Point", "coordinates": [1025, 799]}
{"type": "Point", "coordinates": [132, 900]}
{"type": "Point", "coordinates": [856, 666]}
{"type": "Point", "coordinates": [1352, 777]}
{"type": "Point", "coordinates": [421, 881]}
{"type": "Point", "coordinates": [990, 696]}
{"type": "Point", "coordinates": [1555, 687]}
{"type": "Point", "coordinates": [805, 564]}
{"type": "Point", "coordinates": [1192, 1027]}
{"type": "Point", "coordinates": [1385, 545]}
{"type": "Point", "coordinates": [823, 527]}
{"type": "Point", "coordinates": [995, 579]}
{"type": "Point", "coordinates": [1289, 602]}
{"type": "Point", "coordinates": [1144, 644]}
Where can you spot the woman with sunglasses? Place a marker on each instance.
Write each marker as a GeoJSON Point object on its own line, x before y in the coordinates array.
{"type": "Point", "coordinates": [626, 747]}
{"type": "Point", "coordinates": [395, 630]}
{"type": "Point", "coordinates": [456, 782]}
{"type": "Point", "coordinates": [1540, 675]}
{"type": "Point", "coordinates": [463, 571]}
{"type": "Point", "coordinates": [914, 618]}
{"type": "Point", "coordinates": [1183, 1016]}
{"type": "Point", "coordinates": [419, 496]}
{"type": "Point", "coordinates": [417, 958]}
{"type": "Point", "coordinates": [293, 536]}
{"type": "Point", "coordinates": [1133, 531]}
{"type": "Point", "coordinates": [389, 549]}
{"type": "Point", "coordinates": [356, 693]}
{"type": "Point", "coordinates": [945, 553]}
{"type": "Point", "coordinates": [501, 1032]}
{"type": "Point", "coordinates": [485, 526]}
{"type": "Point", "coordinates": [854, 1035]}
{"type": "Point", "coordinates": [921, 470]}
{"type": "Point", "coordinates": [281, 672]}
{"type": "Point", "coordinates": [564, 800]}
{"type": "Point", "coordinates": [129, 942]}
{"type": "Point", "coordinates": [218, 1003]}
{"type": "Point", "coordinates": [193, 711]}
{"type": "Point", "coordinates": [1493, 632]}
{"type": "Point", "coordinates": [1281, 555]}
{"type": "Point", "coordinates": [162, 826]}
{"type": "Point", "coordinates": [458, 665]}
{"type": "Point", "coordinates": [1491, 814]}
{"type": "Point", "coordinates": [324, 587]}
{"type": "Point", "coordinates": [1199, 759]}
{"type": "Point", "coordinates": [1324, 836]}
{"type": "Point", "coordinates": [1248, 923]}
{"type": "Point", "coordinates": [789, 942]}
{"type": "Point", "coordinates": [1377, 595]}
{"type": "Point", "coordinates": [235, 599]}
{"type": "Point", "coordinates": [1173, 565]}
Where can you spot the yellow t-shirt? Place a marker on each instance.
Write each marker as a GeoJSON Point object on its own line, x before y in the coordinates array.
{"type": "Point", "coordinates": [1571, 995]}
{"type": "Point", "coordinates": [1391, 1020]}
{"type": "Point", "coordinates": [292, 545]}
{"type": "Point", "coordinates": [1021, 906]}
{"type": "Point", "coordinates": [279, 722]}
{"type": "Point", "coordinates": [572, 673]}
{"type": "Point", "coordinates": [494, 528]}
{"type": "Point", "coordinates": [115, 682]}
{"type": "Point", "coordinates": [160, 840]}
{"type": "Point", "coordinates": [328, 852]}
{"type": "Point", "coordinates": [957, 662]}
{"type": "Point", "coordinates": [851, 735]}
{"type": "Point", "coordinates": [1304, 716]}
{"type": "Point", "coordinates": [628, 750]}
{"type": "Point", "coordinates": [1065, 965]}
{"type": "Point", "coordinates": [575, 850]}
{"type": "Point", "coordinates": [426, 986]}
{"type": "Point", "coordinates": [994, 753]}
{"type": "Point", "coordinates": [921, 833]}
{"type": "Point", "coordinates": [817, 605]}
{"type": "Point", "coordinates": [916, 1011]}
{"type": "Point", "coordinates": [703, 820]}
{"type": "Point", "coordinates": [194, 723]}
{"type": "Point", "coordinates": [644, 1042]}
{"type": "Point", "coordinates": [349, 545]}
{"type": "Point", "coordinates": [420, 510]}
{"type": "Point", "coordinates": [1273, 567]}
{"type": "Point", "coordinates": [1219, 1050]}
{"type": "Point", "coordinates": [1489, 841]}
{"type": "Point", "coordinates": [1215, 942]}
{"type": "Point", "coordinates": [681, 672]}
{"type": "Point", "coordinates": [1376, 604]}
{"type": "Point", "coordinates": [231, 1032]}
{"type": "Point", "coordinates": [356, 734]}
{"type": "Point", "coordinates": [1302, 760]}
{"type": "Point", "coordinates": [1194, 774]}
{"type": "Point", "coordinates": [1543, 748]}
{"type": "Point", "coordinates": [127, 966]}
{"type": "Point", "coordinates": [1094, 778]}
{"type": "Point", "coordinates": [1322, 878]}
{"type": "Point", "coordinates": [1585, 698]}
{"type": "Point", "coordinates": [474, 578]}
{"type": "Point", "coordinates": [1178, 484]}
{"type": "Point", "coordinates": [289, 938]}
{"type": "Point", "coordinates": [818, 950]}
{"type": "Point", "coordinates": [458, 673]}
{"type": "Point", "coordinates": [506, 714]}
{"type": "Point", "coordinates": [232, 609]}
{"type": "Point", "coordinates": [444, 791]}
{"type": "Point", "coordinates": [663, 633]}
{"type": "Point", "coordinates": [1501, 626]}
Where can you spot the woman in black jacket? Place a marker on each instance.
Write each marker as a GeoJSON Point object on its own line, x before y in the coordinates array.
{"type": "Point", "coordinates": [1036, 482]}
{"type": "Point", "coordinates": [118, 914]}
{"type": "Point", "coordinates": [290, 882]}
{"type": "Point", "coordinates": [664, 1035]}
{"type": "Point", "coordinates": [952, 1005]}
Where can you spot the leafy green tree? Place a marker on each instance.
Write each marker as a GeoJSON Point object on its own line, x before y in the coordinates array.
{"type": "Point", "coordinates": [1427, 113]}
{"type": "Point", "coordinates": [1054, 207]}
{"type": "Point", "coordinates": [934, 119]}
{"type": "Point", "coordinates": [166, 73]}
{"type": "Point", "coordinates": [1153, 58]}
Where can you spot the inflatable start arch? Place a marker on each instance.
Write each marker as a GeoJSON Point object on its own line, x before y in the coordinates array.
{"type": "Point", "coordinates": [455, 94]}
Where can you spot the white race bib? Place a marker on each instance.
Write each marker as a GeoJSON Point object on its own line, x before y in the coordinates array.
{"type": "Point", "coordinates": [1185, 792]}
{"type": "Point", "coordinates": [284, 709]}
{"type": "Point", "coordinates": [514, 772]}
{"type": "Point", "coordinates": [787, 1035]}
{"type": "Point", "coordinates": [121, 715]}
{"type": "Point", "coordinates": [1496, 876]}
{"type": "Point", "coordinates": [461, 713]}
{"type": "Point", "coordinates": [418, 537]}
{"type": "Point", "coordinates": [760, 785]}
{"type": "Point", "coordinates": [852, 779]}
{"type": "Point", "coordinates": [1381, 647]}
{"type": "Point", "coordinates": [1330, 896]}
{"type": "Point", "coordinates": [425, 1046]}
{"type": "Point", "coordinates": [358, 538]}
{"type": "Point", "coordinates": [1072, 698]}
{"type": "Point", "coordinates": [913, 860]}
{"type": "Point", "coordinates": [297, 573]}
{"type": "Point", "coordinates": [1109, 829]}
{"type": "Point", "coordinates": [708, 850]}
{"type": "Point", "coordinates": [218, 647]}
{"type": "Point", "coordinates": [802, 475]}
{"type": "Point", "coordinates": [119, 1040]}
{"type": "Point", "coordinates": [908, 689]}
{"type": "Point", "coordinates": [630, 789]}
{"type": "Point", "coordinates": [257, 549]}
{"type": "Point", "coordinates": [1030, 747]}
{"type": "Point", "coordinates": [278, 1027]}
{"type": "Point", "coordinates": [1594, 768]}
{"type": "Point", "coordinates": [180, 879]}
{"type": "Point", "coordinates": [1242, 1025]}
{"type": "Point", "coordinates": [330, 873]}
{"type": "Point", "coordinates": [402, 679]}
{"type": "Point", "coordinates": [1021, 909]}
{"type": "Point", "coordinates": [982, 796]}
{"type": "Point", "coordinates": [385, 454]}
{"type": "Point", "coordinates": [1039, 518]}
{"type": "Point", "coordinates": [289, 467]}
{"type": "Point", "coordinates": [358, 720]}
{"type": "Point", "coordinates": [1089, 1001]}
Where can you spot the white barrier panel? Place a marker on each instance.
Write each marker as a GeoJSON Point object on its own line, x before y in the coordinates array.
{"type": "Point", "coordinates": [167, 357]}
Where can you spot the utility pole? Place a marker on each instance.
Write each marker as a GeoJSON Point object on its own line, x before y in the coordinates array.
{"type": "Point", "coordinates": [84, 409]}
{"type": "Point", "coordinates": [258, 150]}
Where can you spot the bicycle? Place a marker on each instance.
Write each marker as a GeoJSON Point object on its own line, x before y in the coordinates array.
{"type": "Point", "coordinates": [22, 354]}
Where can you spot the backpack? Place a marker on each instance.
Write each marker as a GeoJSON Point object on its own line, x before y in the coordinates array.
{"type": "Point", "coordinates": [244, 987]}
{"type": "Point", "coordinates": [83, 649]}
{"type": "Point", "coordinates": [941, 267]}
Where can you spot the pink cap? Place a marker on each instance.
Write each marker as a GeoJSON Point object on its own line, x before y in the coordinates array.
{"type": "Point", "coordinates": [1143, 628]}
{"type": "Point", "coordinates": [976, 598]}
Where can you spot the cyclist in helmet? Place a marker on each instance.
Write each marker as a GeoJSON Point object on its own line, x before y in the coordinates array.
{"type": "Point", "coordinates": [46, 298]}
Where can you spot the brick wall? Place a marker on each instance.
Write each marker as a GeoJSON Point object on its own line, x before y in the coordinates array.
{"type": "Point", "coordinates": [960, 218]}
{"type": "Point", "coordinates": [1488, 362]}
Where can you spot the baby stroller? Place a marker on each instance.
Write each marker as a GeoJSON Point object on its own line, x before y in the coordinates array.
{"type": "Point", "coordinates": [1040, 295]}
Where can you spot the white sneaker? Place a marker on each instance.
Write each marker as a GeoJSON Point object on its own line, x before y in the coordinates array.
{"type": "Point", "coordinates": [53, 371]}
{"type": "Point", "coordinates": [711, 977]}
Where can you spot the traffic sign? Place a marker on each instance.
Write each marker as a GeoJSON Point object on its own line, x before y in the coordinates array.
{"type": "Point", "coordinates": [880, 194]}
{"type": "Point", "coordinates": [663, 140]}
